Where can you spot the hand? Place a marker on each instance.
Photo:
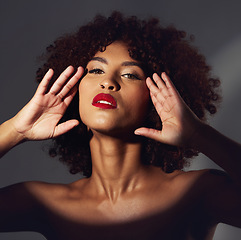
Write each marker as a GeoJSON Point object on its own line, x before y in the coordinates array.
{"type": "Point", "coordinates": [39, 119]}
{"type": "Point", "coordinates": [179, 123]}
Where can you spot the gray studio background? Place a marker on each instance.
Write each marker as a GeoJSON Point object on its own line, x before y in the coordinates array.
{"type": "Point", "coordinates": [28, 27]}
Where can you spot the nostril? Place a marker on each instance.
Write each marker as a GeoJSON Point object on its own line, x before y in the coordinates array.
{"type": "Point", "coordinates": [111, 87]}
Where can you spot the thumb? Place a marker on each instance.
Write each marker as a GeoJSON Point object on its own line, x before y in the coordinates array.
{"type": "Point", "coordinates": [150, 133]}
{"type": "Point", "coordinates": [65, 127]}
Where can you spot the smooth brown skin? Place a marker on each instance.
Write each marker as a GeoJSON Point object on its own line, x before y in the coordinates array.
{"type": "Point", "coordinates": [122, 199]}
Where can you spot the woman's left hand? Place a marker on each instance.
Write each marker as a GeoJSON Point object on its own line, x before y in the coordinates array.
{"type": "Point", "coordinates": [179, 123]}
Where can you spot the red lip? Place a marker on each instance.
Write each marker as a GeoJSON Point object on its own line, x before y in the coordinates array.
{"type": "Point", "coordinates": [104, 101]}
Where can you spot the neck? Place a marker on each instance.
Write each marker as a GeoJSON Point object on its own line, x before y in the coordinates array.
{"type": "Point", "coordinates": [116, 165]}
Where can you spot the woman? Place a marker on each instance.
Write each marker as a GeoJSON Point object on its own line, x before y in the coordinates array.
{"type": "Point", "coordinates": [134, 187]}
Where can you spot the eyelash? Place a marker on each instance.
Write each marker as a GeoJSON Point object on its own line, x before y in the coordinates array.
{"type": "Point", "coordinates": [96, 71]}
{"type": "Point", "coordinates": [129, 75]}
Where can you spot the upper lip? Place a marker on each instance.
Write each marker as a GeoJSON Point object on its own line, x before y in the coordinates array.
{"type": "Point", "coordinates": [105, 97]}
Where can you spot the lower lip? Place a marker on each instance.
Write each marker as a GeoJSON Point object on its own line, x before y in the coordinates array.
{"type": "Point", "coordinates": [103, 106]}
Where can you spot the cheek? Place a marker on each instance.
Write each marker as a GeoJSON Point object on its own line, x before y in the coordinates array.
{"type": "Point", "coordinates": [140, 96]}
{"type": "Point", "coordinates": [139, 101]}
{"type": "Point", "coordinates": [83, 98]}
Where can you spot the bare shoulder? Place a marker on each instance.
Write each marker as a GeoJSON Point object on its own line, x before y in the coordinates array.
{"type": "Point", "coordinates": [46, 192]}
{"type": "Point", "coordinates": [201, 182]}
{"type": "Point", "coordinates": [210, 176]}
{"type": "Point", "coordinates": [219, 196]}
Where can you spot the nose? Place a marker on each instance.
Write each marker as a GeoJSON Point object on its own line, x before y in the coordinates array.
{"type": "Point", "coordinates": [109, 84]}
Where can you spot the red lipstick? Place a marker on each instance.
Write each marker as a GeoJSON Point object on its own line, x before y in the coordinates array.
{"type": "Point", "coordinates": [104, 101]}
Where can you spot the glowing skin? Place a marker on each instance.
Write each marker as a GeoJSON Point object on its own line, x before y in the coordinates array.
{"type": "Point", "coordinates": [115, 73]}
{"type": "Point", "coordinates": [123, 198]}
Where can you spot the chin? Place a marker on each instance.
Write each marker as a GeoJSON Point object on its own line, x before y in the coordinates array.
{"type": "Point", "coordinates": [118, 127]}
{"type": "Point", "coordinates": [106, 130]}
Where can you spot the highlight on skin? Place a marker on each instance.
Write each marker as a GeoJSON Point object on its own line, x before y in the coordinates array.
{"type": "Point", "coordinates": [156, 49]}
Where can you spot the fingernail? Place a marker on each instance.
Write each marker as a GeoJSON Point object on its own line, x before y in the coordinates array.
{"type": "Point", "coordinates": [137, 132]}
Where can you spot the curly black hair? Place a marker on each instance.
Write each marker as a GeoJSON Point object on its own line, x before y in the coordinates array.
{"type": "Point", "coordinates": [159, 49]}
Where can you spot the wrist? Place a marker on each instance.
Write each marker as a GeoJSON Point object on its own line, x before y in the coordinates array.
{"type": "Point", "coordinates": [199, 136]}
{"type": "Point", "coordinates": [14, 136]}
{"type": "Point", "coordinates": [9, 137]}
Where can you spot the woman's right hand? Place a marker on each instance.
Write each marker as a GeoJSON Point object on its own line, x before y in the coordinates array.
{"type": "Point", "coordinates": [39, 119]}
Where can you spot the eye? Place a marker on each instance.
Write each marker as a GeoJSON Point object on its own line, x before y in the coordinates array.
{"type": "Point", "coordinates": [96, 71]}
{"type": "Point", "coordinates": [131, 76]}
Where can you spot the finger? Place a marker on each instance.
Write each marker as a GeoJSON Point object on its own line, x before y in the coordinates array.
{"type": "Point", "coordinates": [65, 127]}
{"type": "Point", "coordinates": [70, 96]}
{"type": "Point", "coordinates": [71, 83]}
{"type": "Point", "coordinates": [43, 86]}
{"type": "Point", "coordinates": [158, 105]}
{"type": "Point", "coordinates": [150, 133]}
{"type": "Point", "coordinates": [161, 84]}
{"type": "Point", "coordinates": [152, 87]}
{"type": "Point", "coordinates": [169, 84]}
{"type": "Point", "coordinates": [159, 81]}
{"type": "Point", "coordinates": [167, 80]}
{"type": "Point", "coordinates": [158, 101]}
{"type": "Point", "coordinates": [59, 83]}
{"type": "Point", "coordinates": [159, 94]}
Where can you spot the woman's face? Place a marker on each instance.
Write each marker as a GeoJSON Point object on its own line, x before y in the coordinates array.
{"type": "Point", "coordinates": [114, 97]}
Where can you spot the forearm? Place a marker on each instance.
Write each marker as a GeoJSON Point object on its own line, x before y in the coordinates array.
{"type": "Point", "coordinates": [223, 151]}
{"type": "Point", "coordinates": [9, 137]}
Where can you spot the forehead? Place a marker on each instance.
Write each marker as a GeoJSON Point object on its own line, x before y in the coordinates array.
{"type": "Point", "coordinates": [115, 50]}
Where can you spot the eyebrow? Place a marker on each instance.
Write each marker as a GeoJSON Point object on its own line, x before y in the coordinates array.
{"type": "Point", "coordinates": [131, 63]}
{"type": "Point", "coordinates": [126, 63]}
{"type": "Point", "coordinates": [100, 59]}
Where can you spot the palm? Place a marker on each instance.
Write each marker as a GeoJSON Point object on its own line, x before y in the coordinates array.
{"type": "Point", "coordinates": [178, 121]}
{"type": "Point", "coordinates": [39, 118]}
{"type": "Point", "coordinates": [47, 111]}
